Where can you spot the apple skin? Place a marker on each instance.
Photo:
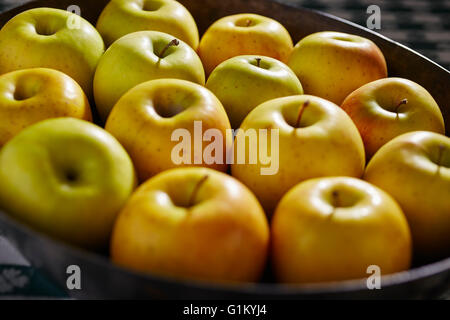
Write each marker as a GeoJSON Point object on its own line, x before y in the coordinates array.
{"type": "Point", "coordinates": [31, 95]}
{"type": "Point", "coordinates": [121, 17]}
{"type": "Point", "coordinates": [222, 236]}
{"type": "Point", "coordinates": [326, 144]}
{"type": "Point", "coordinates": [134, 59]}
{"type": "Point", "coordinates": [144, 119]}
{"type": "Point", "coordinates": [317, 239]}
{"type": "Point", "coordinates": [229, 37]}
{"type": "Point", "coordinates": [41, 37]}
{"type": "Point", "coordinates": [241, 85]}
{"type": "Point", "coordinates": [372, 108]}
{"type": "Point", "coordinates": [68, 178]}
{"type": "Point", "coordinates": [407, 168]}
{"type": "Point", "coordinates": [331, 65]}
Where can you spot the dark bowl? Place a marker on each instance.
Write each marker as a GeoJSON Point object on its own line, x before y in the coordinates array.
{"type": "Point", "coordinates": [102, 279]}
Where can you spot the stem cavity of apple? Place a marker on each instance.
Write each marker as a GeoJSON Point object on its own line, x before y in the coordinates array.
{"type": "Point", "coordinates": [172, 43]}
{"type": "Point", "coordinates": [196, 188]}
{"type": "Point", "coordinates": [300, 113]}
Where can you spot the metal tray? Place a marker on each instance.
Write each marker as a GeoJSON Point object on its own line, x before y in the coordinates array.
{"type": "Point", "coordinates": [102, 279]}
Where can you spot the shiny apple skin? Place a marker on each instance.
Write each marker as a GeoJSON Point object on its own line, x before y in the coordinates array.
{"type": "Point", "coordinates": [74, 51]}
{"type": "Point", "coordinates": [143, 122]}
{"type": "Point", "coordinates": [407, 168]}
{"type": "Point", "coordinates": [30, 95]}
{"type": "Point", "coordinates": [315, 239]}
{"type": "Point", "coordinates": [229, 37]}
{"type": "Point", "coordinates": [67, 178]}
{"type": "Point", "coordinates": [326, 144]}
{"type": "Point", "coordinates": [373, 109]}
{"type": "Point", "coordinates": [241, 85]}
{"type": "Point", "coordinates": [121, 17]}
{"type": "Point", "coordinates": [222, 236]}
{"type": "Point", "coordinates": [331, 65]}
{"type": "Point", "coordinates": [134, 59]}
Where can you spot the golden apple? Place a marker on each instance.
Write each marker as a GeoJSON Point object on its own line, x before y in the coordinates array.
{"type": "Point", "coordinates": [51, 38]}
{"type": "Point", "coordinates": [386, 108]}
{"type": "Point", "coordinates": [244, 34]}
{"type": "Point", "coordinates": [332, 229]}
{"type": "Point", "coordinates": [68, 178]}
{"type": "Point", "coordinates": [331, 65]}
{"type": "Point", "coordinates": [193, 223]}
{"type": "Point", "coordinates": [31, 95]}
{"type": "Point", "coordinates": [244, 82]}
{"type": "Point", "coordinates": [147, 119]}
{"type": "Point", "coordinates": [121, 17]}
{"type": "Point", "coordinates": [139, 57]}
{"type": "Point", "coordinates": [316, 138]}
{"type": "Point", "coordinates": [415, 169]}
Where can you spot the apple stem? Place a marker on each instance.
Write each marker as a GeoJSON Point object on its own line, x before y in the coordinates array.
{"type": "Point", "coordinates": [248, 22]}
{"type": "Point", "coordinates": [336, 199]}
{"type": "Point", "coordinates": [300, 113]}
{"type": "Point", "coordinates": [172, 43]}
{"type": "Point", "coordinates": [258, 62]}
{"type": "Point", "coordinates": [196, 188]}
{"type": "Point", "coordinates": [402, 102]}
{"type": "Point", "coordinates": [440, 155]}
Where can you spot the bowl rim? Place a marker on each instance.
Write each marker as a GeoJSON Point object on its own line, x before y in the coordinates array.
{"type": "Point", "coordinates": [252, 288]}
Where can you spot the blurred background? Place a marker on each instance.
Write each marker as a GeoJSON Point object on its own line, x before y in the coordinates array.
{"type": "Point", "coordinates": [422, 25]}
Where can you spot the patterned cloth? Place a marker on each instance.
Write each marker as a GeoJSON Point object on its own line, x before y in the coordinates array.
{"type": "Point", "coordinates": [422, 25]}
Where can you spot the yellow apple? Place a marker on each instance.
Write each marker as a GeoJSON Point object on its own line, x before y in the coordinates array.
{"type": "Point", "coordinates": [415, 169]}
{"type": "Point", "coordinates": [244, 34]}
{"type": "Point", "coordinates": [193, 223]}
{"type": "Point", "coordinates": [121, 17]}
{"type": "Point", "coordinates": [31, 95]}
{"type": "Point", "coordinates": [51, 38]}
{"type": "Point", "coordinates": [316, 138]}
{"type": "Point", "coordinates": [147, 118]}
{"type": "Point", "coordinates": [331, 65]}
{"type": "Point", "coordinates": [68, 178]}
{"type": "Point", "coordinates": [244, 82]}
{"type": "Point", "coordinates": [386, 108]}
{"type": "Point", "coordinates": [332, 229]}
{"type": "Point", "coordinates": [139, 57]}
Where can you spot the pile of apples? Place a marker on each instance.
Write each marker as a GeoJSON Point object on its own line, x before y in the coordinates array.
{"type": "Point", "coordinates": [363, 172]}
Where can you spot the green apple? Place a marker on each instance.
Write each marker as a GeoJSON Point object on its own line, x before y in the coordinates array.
{"type": "Point", "coordinates": [333, 229]}
{"type": "Point", "coordinates": [415, 169]}
{"type": "Point", "coordinates": [68, 178]}
{"type": "Point", "coordinates": [386, 108]}
{"type": "Point", "coordinates": [139, 57]}
{"type": "Point", "coordinates": [331, 65]}
{"type": "Point", "coordinates": [242, 34]}
{"type": "Point", "coordinates": [31, 95]}
{"type": "Point", "coordinates": [316, 138]}
{"type": "Point", "coordinates": [244, 82]}
{"type": "Point", "coordinates": [51, 38]}
{"type": "Point", "coordinates": [194, 223]}
{"type": "Point", "coordinates": [121, 17]}
{"type": "Point", "coordinates": [146, 118]}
